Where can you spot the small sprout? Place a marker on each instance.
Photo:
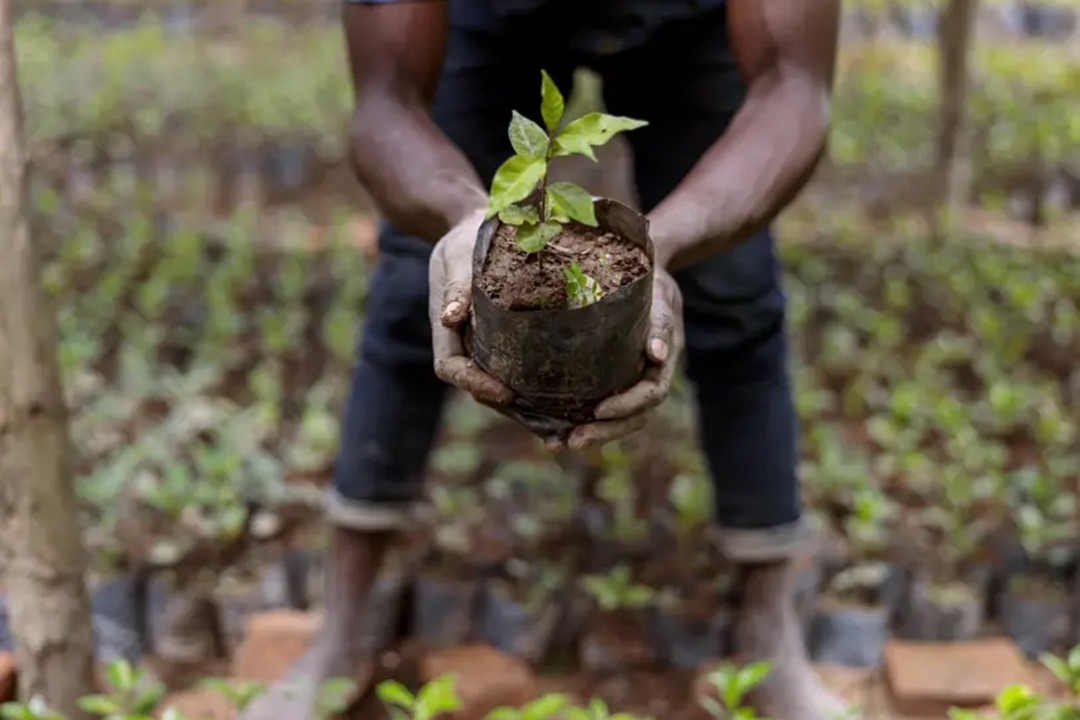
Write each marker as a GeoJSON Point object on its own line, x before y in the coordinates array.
{"type": "Point", "coordinates": [35, 709]}
{"type": "Point", "coordinates": [560, 202]}
{"type": "Point", "coordinates": [132, 695]}
{"type": "Point", "coordinates": [732, 685]}
{"type": "Point", "coordinates": [597, 710]}
{"type": "Point", "coordinates": [1067, 669]}
{"type": "Point", "coordinates": [333, 697]}
{"type": "Point", "coordinates": [617, 590]}
{"type": "Point", "coordinates": [434, 700]}
{"type": "Point", "coordinates": [239, 694]}
{"type": "Point", "coordinates": [581, 289]}
{"type": "Point", "coordinates": [546, 707]}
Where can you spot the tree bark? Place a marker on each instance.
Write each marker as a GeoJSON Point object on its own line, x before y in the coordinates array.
{"type": "Point", "coordinates": [43, 557]}
{"type": "Point", "coordinates": [953, 171]}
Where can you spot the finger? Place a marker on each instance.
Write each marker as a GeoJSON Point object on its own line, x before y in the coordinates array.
{"type": "Point", "coordinates": [453, 367]}
{"type": "Point", "coordinates": [647, 393]}
{"type": "Point", "coordinates": [598, 433]}
{"type": "Point", "coordinates": [662, 325]}
{"type": "Point", "coordinates": [457, 298]}
{"type": "Point", "coordinates": [464, 373]}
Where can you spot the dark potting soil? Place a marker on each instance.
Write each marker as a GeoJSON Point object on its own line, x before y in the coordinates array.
{"type": "Point", "coordinates": [516, 281]}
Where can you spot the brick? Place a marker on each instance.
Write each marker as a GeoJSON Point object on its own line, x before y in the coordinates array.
{"type": "Point", "coordinates": [928, 678]}
{"type": "Point", "coordinates": [273, 642]}
{"type": "Point", "coordinates": [485, 678]}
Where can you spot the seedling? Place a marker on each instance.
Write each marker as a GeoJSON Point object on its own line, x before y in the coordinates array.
{"type": "Point", "coordinates": [239, 694]}
{"type": "Point", "coordinates": [332, 697]}
{"type": "Point", "coordinates": [131, 696]}
{"type": "Point", "coordinates": [732, 685]}
{"type": "Point", "coordinates": [691, 497]}
{"type": "Point", "coordinates": [597, 709]}
{"type": "Point", "coordinates": [436, 699]}
{"type": "Point", "coordinates": [546, 707]}
{"type": "Point", "coordinates": [1015, 702]}
{"type": "Point", "coordinates": [618, 591]}
{"type": "Point", "coordinates": [33, 709]}
{"type": "Point", "coordinates": [1066, 669]}
{"type": "Point", "coordinates": [539, 221]}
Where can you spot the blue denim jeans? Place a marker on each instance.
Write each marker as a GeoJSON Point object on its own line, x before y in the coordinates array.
{"type": "Point", "coordinates": [680, 76]}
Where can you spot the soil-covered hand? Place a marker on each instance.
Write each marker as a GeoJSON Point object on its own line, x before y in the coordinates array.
{"type": "Point", "coordinates": [449, 304]}
{"type": "Point", "coordinates": [628, 411]}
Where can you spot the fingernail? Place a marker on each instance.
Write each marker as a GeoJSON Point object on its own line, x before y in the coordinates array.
{"type": "Point", "coordinates": [658, 349]}
{"type": "Point", "coordinates": [452, 310]}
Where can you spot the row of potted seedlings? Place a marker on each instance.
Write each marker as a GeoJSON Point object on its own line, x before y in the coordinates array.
{"type": "Point", "coordinates": [597, 582]}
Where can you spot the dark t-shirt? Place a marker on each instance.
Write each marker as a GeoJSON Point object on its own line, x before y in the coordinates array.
{"type": "Point", "coordinates": [595, 26]}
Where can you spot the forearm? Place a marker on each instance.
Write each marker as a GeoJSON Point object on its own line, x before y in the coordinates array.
{"type": "Point", "coordinates": [748, 176]}
{"type": "Point", "coordinates": [418, 178]}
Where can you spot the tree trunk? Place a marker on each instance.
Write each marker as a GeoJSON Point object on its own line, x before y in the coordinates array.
{"type": "Point", "coordinates": [43, 557]}
{"type": "Point", "coordinates": [953, 171]}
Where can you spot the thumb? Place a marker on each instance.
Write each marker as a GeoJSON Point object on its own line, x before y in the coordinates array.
{"type": "Point", "coordinates": [661, 325]}
{"type": "Point", "coordinates": [457, 297]}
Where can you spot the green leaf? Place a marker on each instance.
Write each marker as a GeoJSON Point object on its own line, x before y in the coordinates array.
{"type": "Point", "coordinates": [121, 675]}
{"type": "Point", "coordinates": [528, 138]}
{"type": "Point", "coordinates": [439, 696]}
{"type": "Point", "coordinates": [582, 291]}
{"type": "Point", "coordinates": [1057, 666]}
{"type": "Point", "coordinates": [753, 674]}
{"type": "Point", "coordinates": [1014, 698]}
{"type": "Point", "coordinates": [534, 238]}
{"type": "Point", "coordinates": [394, 693]}
{"type": "Point", "coordinates": [514, 181]}
{"type": "Point", "coordinates": [546, 707]}
{"type": "Point", "coordinates": [594, 129]}
{"type": "Point", "coordinates": [552, 104]}
{"type": "Point", "coordinates": [504, 713]}
{"type": "Point", "coordinates": [517, 215]}
{"type": "Point", "coordinates": [956, 713]}
{"type": "Point", "coordinates": [99, 705]}
{"type": "Point", "coordinates": [566, 200]}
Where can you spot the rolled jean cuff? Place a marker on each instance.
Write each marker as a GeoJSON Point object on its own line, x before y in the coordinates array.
{"type": "Point", "coordinates": [764, 545]}
{"type": "Point", "coordinates": [364, 516]}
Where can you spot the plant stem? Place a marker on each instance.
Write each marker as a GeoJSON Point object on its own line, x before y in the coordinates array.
{"type": "Point", "coordinates": [544, 180]}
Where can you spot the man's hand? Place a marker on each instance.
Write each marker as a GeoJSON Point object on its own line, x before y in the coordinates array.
{"type": "Point", "coordinates": [449, 303]}
{"type": "Point", "coordinates": [628, 411]}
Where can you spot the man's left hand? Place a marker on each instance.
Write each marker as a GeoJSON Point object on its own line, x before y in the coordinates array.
{"type": "Point", "coordinates": [628, 411]}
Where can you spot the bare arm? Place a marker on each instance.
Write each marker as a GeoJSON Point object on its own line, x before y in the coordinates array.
{"type": "Point", "coordinates": [417, 177]}
{"type": "Point", "coordinates": [786, 51]}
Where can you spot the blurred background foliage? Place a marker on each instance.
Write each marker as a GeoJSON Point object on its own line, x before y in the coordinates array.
{"type": "Point", "coordinates": [210, 254]}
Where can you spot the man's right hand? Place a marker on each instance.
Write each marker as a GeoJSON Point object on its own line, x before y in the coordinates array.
{"type": "Point", "coordinates": [449, 305]}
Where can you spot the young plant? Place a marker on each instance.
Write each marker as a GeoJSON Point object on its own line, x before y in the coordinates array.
{"type": "Point", "coordinates": [1066, 669]}
{"type": "Point", "coordinates": [618, 591]}
{"type": "Point", "coordinates": [131, 696]}
{"type": "Point", "coordinates": [239, 694]}
{"type": "Point", "coordinates": [691, 498]}
{"type": "Point", "coordinates": [519, 178]}
{"type": "Point", "coordinates": [333, 697]}
{"type": "Point", "coordinates": [545, 707]}
{"type": "Point", "coordinates": [33, 709]}
{"type": "Point", "coordinates": [597, 709]}
{"type": "Point", "coordinates": [436, 699]}
{"type": "Point", "coordinates": [732, 684]}
{"type": "Point", "coordinates": [1015, 702]}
